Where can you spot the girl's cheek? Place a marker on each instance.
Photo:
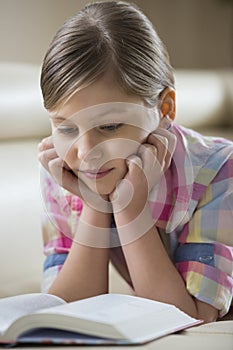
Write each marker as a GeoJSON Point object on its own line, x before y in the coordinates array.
{"type": "Point", "coordinates": [69, 158]}
{"type": "Point", "coordinates": [120, 148]}
{"type": "Point", "coordinates": [63, 145]}
{"type": "Point", "coordinates": [108, 151]}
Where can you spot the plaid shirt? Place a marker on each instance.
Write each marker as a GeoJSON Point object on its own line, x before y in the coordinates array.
{"type": "Point", "coordinates": [193, 210]}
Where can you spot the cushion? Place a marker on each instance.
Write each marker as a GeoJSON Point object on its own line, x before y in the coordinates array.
{"type": "Point", "coordinates": [204, 98]}
{"type": "Point", "coordinates": [21, 249]}
{"type": "Point", "coordinates": [201, 98]}
{"type": "Point", "coordinates": [21, 108]}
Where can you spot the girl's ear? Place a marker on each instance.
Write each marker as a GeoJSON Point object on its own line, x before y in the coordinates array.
{"type": "Point", "coordinates": [168, 103]}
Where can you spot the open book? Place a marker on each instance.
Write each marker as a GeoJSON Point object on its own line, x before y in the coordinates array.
{"type": "Point", "coordinates": [104, 319]}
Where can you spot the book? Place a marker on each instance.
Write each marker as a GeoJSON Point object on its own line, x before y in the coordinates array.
{"type": "Point", "coordinates": [104, 319]}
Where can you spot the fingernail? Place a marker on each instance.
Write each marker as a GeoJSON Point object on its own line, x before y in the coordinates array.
{"type": "Point", "coordinates": [136, 160]}
{"type": "Point", "coordinates": [166, 123]}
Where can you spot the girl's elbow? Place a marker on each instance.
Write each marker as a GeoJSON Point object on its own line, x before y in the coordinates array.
{"type": "Point", "coordinates": [206, 312]}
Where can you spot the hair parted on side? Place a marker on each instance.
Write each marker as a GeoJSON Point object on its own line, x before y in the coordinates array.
{"type": "Point", "coordinates": [103, 36]}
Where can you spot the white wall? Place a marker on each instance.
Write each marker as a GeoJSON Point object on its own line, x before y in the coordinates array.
{"type": "Point", "coordinates": [198, 33]}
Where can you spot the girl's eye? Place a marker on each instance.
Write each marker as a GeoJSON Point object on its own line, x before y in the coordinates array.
{"type": "Point", "coordinates": [67, 130]}
{"type": "Point", "coordinates": [111, 127]}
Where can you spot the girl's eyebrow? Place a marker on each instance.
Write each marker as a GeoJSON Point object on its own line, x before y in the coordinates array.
{"type": "Point", "coordinates": [112, 110]}
{"type": "Point", "coordinates": [98, 115]}
{"type": "Point", "coordinates": [56, 117]}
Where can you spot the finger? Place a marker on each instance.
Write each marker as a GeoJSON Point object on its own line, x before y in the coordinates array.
{"type": "Point", "coordinates": [64, 177]}
{"type": "Point", "coordinates": [148, 154]}
{"type": "Point", "coordinates": [46, 156]}
{"type": "Point", "coordinates": [124, 191]}
{"type": "Point", "coordinates": [134, 160]}
{"type": "Point", "coordinates": [151, 165]}
{"type": "Point", "coordinates": [161, 144]}
{"type": "Point", "coordinates": [171, 143]}
{"type": "Point", "coordinates": [172, 139]}
{"type": "Point", "coordinates": [46, 143]}
{"type": "Point", "coordinates": [135, 171]}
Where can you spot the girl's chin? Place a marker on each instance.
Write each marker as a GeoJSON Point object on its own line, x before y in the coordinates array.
{"type": "Point", "coordinates": [106, 185]}
{"type": "Point", "coordinates": [101, 190]}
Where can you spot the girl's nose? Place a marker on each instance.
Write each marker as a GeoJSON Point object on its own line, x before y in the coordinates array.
{"type": "Point", "coordinates": [88, 147]}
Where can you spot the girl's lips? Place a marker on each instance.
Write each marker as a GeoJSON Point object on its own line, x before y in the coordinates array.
{"type": "Point", "coordinates": [97, 175]}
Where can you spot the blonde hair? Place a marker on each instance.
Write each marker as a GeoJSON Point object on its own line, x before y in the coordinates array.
{"type": "Point", "coordinates": [103, 36]}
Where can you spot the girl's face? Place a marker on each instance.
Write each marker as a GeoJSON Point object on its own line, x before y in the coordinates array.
{"type": "Point", "coordinates": [97, 129]}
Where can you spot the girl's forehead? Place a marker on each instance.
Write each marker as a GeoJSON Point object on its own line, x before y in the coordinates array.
{"type": "Point", "coordinates": [114, 112]}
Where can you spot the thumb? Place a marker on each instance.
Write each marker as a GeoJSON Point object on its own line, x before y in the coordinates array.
{"type": "Point", "coordinates": [133, 160]}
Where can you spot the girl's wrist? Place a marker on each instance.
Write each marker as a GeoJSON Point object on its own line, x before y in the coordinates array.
{"type": "Point", "coordinates": [93, 228]}
{"type": "Point", "coordinates": [131, 227]}
{"type": "Point", "coordinates": [96, 203]}
{"type": "Point", "coordinates": [128, 213]}
{"type": "Point", "coordinates": [92, 216]}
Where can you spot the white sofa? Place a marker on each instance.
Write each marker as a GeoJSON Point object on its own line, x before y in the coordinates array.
{"type": "Point", "coordinates": [205, 101]}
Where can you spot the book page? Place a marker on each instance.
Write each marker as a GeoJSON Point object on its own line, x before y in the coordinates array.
{"type": "Point", "coordinates": [11, 308]}
{"type": "Point", "coordinates": [115, 316]}
{"type": "Point", "coordinates": [48, 336]}
{"type": "Point", "coordinates": [109, 308]}
{"type": "Point", "coordinates": [123, 317]}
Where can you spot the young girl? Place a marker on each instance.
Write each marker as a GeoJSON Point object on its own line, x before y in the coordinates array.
{"type": "Point", "coordinates": [122, 183]}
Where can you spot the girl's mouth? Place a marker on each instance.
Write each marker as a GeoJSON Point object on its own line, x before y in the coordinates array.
{"type": "Point", "coordinates": [97, 174]}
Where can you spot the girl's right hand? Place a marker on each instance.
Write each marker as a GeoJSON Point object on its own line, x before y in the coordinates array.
{"type": "Point", "coordinates": [65, 177]}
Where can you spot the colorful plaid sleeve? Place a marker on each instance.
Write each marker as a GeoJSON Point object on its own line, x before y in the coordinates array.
{"type": "Point", "coordinates": [61, 212]}
{"type": "Point", "coordinates": [205, 254]}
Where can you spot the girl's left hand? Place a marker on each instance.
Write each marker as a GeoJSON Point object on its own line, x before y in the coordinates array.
{"type": "Point", "coordinates": [144, 172]}
{"type": "Point", "coordinates": [162, 145]}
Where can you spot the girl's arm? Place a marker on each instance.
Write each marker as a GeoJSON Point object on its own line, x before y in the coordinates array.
{"type": "Point", "coordinates": [155, 277]}
{"type": "Point", "coordinates": [153, 274]}
{"type": "Point", "coordinates": [85, 271]}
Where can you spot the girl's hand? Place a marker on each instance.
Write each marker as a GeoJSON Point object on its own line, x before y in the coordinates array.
{"type": "Point", "coordinates": [162, 145]}
{"type": "Point", "coordinates": [65, 177]}
{"type": "Point", "coordinates": [144, 172]}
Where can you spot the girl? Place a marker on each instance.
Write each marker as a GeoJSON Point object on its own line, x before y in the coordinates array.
{"type": "Point", "coordinates": [122, 183]}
